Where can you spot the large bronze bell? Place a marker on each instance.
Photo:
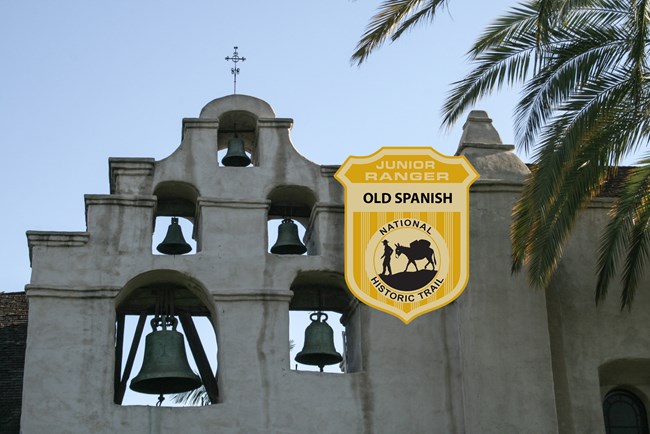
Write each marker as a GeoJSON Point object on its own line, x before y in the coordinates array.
{"type": "Point", "coordinates": [288, 242]}
{"type": "Point", "coordinates": [236, 155]}
{"type": "Point", "coordinates": [319, 347]}
{"type": "Point", "coordinates": [165, 368]}
{"type": "Point", "coordinates": [174, 243]}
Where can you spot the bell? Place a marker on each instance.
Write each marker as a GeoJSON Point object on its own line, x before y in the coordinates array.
{"type": "Point", "coordinates": [319, 347]}
{"type": "Point", "coordinates": [288, 242]}
{"type": "Point", "coordinates": [165, 368]}
{"type": "Point", "coordinates": [174, 243]}
{"type": "Point", "coordinates": [236, 156]}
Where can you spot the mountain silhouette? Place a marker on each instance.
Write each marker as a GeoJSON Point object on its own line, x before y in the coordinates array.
{"type": "Point", "coordinates": [409, 280]}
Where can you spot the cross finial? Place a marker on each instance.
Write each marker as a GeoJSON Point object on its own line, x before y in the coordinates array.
{"type": "Point", "coordinates": [235, 70]}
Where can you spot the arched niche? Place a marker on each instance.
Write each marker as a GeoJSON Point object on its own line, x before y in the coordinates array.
{"type": "Point", "coordinates": [196, 315]}
{"type": "Point", "coordinates": [326, 291]}
{"type": "Point", "coordinates": [320, 289]}
{"type": "Point", "coordinates": [290, 201]}
{"type": "Point", "coordinates": [176, 199]}
{"type": "Point", "coordinates": [192, 295]}
{"type": "Point", "coordinates": [239, 123]}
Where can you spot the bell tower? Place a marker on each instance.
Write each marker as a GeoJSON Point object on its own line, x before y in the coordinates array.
{"type": "Point", "coordinates": [209, 304]}
{"type": "Point", "coordinates": [101, 296]}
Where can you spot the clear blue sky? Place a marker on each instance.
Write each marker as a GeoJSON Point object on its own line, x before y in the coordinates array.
{"type": "Point", "coordinates": [83, 81]}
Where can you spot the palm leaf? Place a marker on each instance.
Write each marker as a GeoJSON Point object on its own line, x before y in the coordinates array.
{"type": "Point", "coordinates": [392, 19]}
{"type": "Point", "coordinates": [626, 228]}
{"type": "Point", "coordinates": [588, 54]}
{"type": "Point", "coordinates": [585, 106]}
{"type": "Point", "coordinates": [573, 160]}
{"type": "Point", "coordinates": [637, 255]}
{"type": "Point", "coordinates": [196, 397]}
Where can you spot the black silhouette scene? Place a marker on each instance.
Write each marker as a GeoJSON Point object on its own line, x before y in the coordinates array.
{"type": "Point", "coordinates": [409, 280]}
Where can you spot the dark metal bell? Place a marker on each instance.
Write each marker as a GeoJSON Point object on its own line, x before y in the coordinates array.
{"type": "Point", "coordinates": [165, 368]}
{"type": "Point", "coordinates": [319, 347]}
{"type": "Point", "coordinates": [236, 155]}
{"type": "Point", "coordinates": [174, 243]}
{"type": "Point", "coordinates": [288, 242]}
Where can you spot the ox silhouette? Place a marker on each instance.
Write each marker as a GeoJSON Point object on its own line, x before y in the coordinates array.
{"type": "Point", "coordinates": [419, 249]}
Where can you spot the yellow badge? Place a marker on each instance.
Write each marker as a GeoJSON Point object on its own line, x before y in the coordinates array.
{"type": "Point", "coordinates": [406, 228]}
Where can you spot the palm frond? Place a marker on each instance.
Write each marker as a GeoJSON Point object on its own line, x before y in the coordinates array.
{"type": "Point", "coordinates": [639, 37]}
{"type": "Point", "coordinates": [582, 181]}
{"type": "Point", "coordinates": [519, 20]}
{"type": "Point", "coordinates": [196, 397]}
{"type": "Point", "coordinates": [427, 12]}
{"type": "Point", "coordinates": [554, 14]}
{"type": "Point", "coordinates": [617, 233]}
{"type": "Point", "coordinates": [392, 19]}
{"type": "Point", "coordinates": [573, 65]}
{"type": "Point", "coordinates": [506, 65]}
{"type": "Point", "coordinates": [637, 255]}
{"type": "Point", "coordinates": [573, 160]}
{"type": "Point", "coordinates": [585, 105]}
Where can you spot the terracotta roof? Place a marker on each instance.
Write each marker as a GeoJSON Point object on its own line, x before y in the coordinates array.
{"type": "Point", "coordinates": [614, 185]}
{"type": "Point", "coordinates": [13, 337]}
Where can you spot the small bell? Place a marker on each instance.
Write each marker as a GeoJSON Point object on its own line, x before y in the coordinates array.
{"type": "Point", "coordinates": [288, 242]}
{"type": "Point", "coordinates": [174, 243]}
{"type": "Point", "coordinates": [236, 155]}
{"type": "Point", "coordinates": [165, 368]}
{"type": "Point", "coordinates": [319, 347]}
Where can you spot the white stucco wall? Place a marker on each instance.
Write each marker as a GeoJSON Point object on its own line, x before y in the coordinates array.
{"type": "Point", "coordinates": [501, 359]}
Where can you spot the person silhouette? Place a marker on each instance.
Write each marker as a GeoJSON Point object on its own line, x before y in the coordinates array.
{"type": "Point", "coordinates": [388, 251]}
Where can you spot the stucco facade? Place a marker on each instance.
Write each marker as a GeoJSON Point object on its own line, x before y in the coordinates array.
{"type": "Point", "coordinates": [502, 358]}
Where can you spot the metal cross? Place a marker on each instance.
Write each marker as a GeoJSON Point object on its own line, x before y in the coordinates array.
{"type": "Point", "coordinates": [235, 70]}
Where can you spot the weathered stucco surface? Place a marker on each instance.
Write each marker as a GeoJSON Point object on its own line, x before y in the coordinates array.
{"type": "Point", "coordinates": [501, 359]}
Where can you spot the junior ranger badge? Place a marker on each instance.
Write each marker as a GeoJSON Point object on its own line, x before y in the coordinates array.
{"type": "Point", "coordinates": [406, 228]}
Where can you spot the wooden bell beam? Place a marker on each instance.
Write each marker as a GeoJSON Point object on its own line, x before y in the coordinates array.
{"type": "Point", "coordinates": [121, 389]}
{"type": "Point", "coordinates": [208, 378]}
{"type": "Point", "coordinates": [119, 347]}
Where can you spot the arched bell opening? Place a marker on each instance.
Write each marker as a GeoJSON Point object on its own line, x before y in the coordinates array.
{"type": "Point", "coordinates": [288, 218]}
{"type": "Point", "coordinates": [165, 342]}
{"type": "Point", "coordinates": [174, 229]}
{"type": "Point", "coordinates": [322, 325]}
{"type": "Point", "coordinates": [237, 139]}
